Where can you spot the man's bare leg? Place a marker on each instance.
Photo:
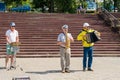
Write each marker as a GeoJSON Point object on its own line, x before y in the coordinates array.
{"type": "Point", "coordinates": [6, 60]}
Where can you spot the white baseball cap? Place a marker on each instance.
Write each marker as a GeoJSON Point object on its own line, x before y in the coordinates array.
{"type": "Point", "coordinates": [86, 25]}
{"type": "Point", "coordinates": [65, 26]}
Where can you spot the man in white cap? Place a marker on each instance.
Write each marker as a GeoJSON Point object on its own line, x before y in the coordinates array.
{"type": "Point", "coordinates": [87, 46]}
{"type": "Point", "coordinates": [64, 40]}
{"type": "Point", "coordinates": [11, 37]}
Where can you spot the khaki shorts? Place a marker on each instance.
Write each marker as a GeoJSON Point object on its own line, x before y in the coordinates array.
{"type": "Point", "coordinates": [11, 50]}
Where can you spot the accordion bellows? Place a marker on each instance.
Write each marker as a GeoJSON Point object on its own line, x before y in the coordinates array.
{"type": "Point", "coordinates": [92, 37]}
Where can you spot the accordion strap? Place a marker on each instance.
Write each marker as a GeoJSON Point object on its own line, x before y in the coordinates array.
{"type": "Point", "coordinates": [86, 33]}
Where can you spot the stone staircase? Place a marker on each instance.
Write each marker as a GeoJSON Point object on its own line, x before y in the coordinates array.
{"type": "Point", "coordinates": [38, 34]}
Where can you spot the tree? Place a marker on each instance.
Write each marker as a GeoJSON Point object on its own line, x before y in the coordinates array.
{"type": "Point", "coordinates": [117, 5]}
{"type": "Point", "coordinates": [109, 3]}
{"type": "Point", "coordinates": [39, 4]}
{"type": "Point", "coordinates": [44, 4]}
{"type": "Point", "coordinates": [50, 4]}
{"type": "Point", "coordinates": [65, 6]}
{"type": "Point", "coordinates": [15, 3]}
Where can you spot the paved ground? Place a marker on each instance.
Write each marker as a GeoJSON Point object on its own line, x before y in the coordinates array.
{"type": "Point", "coordinates": [105, 68]}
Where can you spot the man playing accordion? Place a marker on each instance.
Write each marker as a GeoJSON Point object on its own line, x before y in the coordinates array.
{"type": "Point", "coordinates": [87, 43]}
{"type": "Point", "coordinates": [12, 40]}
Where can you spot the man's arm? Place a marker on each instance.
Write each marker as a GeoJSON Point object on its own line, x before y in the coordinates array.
{"type": "Point", "coordinates": [7, 39]}
{"type": "Point", "coordinates": [61, 43]}
{"type": "Point", "coordinates": [71, 38]}
{"type": "Point", "coordinates": [80, 36]}
{"type": "Point", "coordinates": [17, 39]}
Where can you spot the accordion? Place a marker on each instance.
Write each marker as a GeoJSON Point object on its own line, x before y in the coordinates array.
{"type": "Point", "coordinates": [15, 44]}
{"type": "Point", "coordinates": [92, 37]}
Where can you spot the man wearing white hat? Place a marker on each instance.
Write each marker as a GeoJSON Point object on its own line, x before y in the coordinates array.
{"type": "Point", "coordinates": [87, 47]}
{"type": "Point", "coordinates": [64, 40]}
{"type": "Point", "coordinates": [11, 37]}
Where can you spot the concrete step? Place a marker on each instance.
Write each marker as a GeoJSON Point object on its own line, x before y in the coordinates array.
{"type": "Point", "coordinates": [38, 34]}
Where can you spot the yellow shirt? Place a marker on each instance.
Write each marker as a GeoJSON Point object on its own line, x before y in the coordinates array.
{"type": "Point", "coordinates": [81, 37]}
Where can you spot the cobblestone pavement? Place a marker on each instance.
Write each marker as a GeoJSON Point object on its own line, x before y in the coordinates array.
{"type": "Point", "coordinates": [105, 68]}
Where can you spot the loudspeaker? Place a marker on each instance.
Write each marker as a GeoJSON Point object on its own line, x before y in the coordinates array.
{"type": "Point", "coordinates": [21, 78]}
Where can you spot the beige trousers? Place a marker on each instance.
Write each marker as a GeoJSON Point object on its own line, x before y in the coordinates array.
{"type": "Point", "coordinates": [65, 55]}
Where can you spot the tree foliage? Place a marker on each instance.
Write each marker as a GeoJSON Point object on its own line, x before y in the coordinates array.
{"type": "Point", "coordinates": [117, 4]}
{"type": "Point", "coordinates": [65, 5]}
{"type": "Point", "coordinates": [44, 4]}
{"type": "Point", "coordinates": [61, 6]}
{"type": "Point", "coordinates": [16, 3]}
{"type": "Point", "coordinates": [109, 3]}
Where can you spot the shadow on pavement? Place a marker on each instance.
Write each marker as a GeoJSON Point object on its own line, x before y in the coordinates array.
{"type": "Point", "coordinates": [2, 68]}
{"type": "Point", "coordinates": [51, 71]}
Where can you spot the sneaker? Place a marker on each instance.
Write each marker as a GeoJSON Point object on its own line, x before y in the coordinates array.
{"type": "Point", "coordinates": [7, 68]}
{"type": "Point", "coordinates": [84, 69]}
{"type": "Point", "coordinates": [12, 67]}
{"type": "Point", "coordinates": [89, 69]}
{"type": "Point", "coordinates": [67, 70]}
{"type": "Point", "coordinates": [4, 67]}
{"type": "Point", "coordinates": [63, 71]}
